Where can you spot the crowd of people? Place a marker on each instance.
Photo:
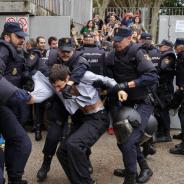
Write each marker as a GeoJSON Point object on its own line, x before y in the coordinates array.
{"type": "Point", "coordinates": [110, 77]}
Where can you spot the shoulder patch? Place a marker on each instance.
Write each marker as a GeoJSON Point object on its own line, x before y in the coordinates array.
{"type": "Point", "coordinates": [14, 72]}
{"type": "Point", "coordinates": [147, 57]}
{"type": "Point", "coordinates": [167, 61]}
{"type": "Point", "coordinates": [32, 57]}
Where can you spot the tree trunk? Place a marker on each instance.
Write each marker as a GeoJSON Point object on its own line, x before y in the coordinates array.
{"type": "Point", "coordinates": [154, 18]}
{"type": "Point", "coordinates": [102, 6]}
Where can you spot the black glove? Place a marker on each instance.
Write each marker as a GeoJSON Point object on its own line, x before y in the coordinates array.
{"type": "Point", "coordinates": [123, 86]}
{"type": "Point", "coordinates": [120, 86]}
{"type": "Point", "coordinates": [66, 92]}
{"type": "Point", "coordinates": [29, 85]}
{"type": "Point", "coordinates": [99, 84]}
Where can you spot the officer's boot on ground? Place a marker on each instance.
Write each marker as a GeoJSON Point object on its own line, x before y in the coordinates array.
{"type": "Point", "coordinates": [178, 149]}
{"type": "Point", "coordinates": [16, 181]}
{"type": "Point", "coordinates": [38, 135]}
{"type": "Point", "coordinates": [130, 178]}
{"type": "Point", "coordinates": [145, 173]}
{"type": "Point", "coordinates": [42, 172]}
{"type": "Point", "coordinates": [178, 136]}
{"type": "Point", "coordinates": [165, 138]}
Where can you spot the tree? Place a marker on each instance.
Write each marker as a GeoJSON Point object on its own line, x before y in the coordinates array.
{"type": "Point", "coordinates": [101, 5]}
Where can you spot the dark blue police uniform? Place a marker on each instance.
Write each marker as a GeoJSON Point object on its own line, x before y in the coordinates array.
{"type": "Point", "coordinates": [130, 64]}
{"type": "Point", "coordinates": [17, 142]}
{"type": "Point", "coordinates": [179, 148]}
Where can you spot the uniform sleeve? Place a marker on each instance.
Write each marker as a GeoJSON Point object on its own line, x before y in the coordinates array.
{"type": "Point", "coordinates": [4, 55]}
{"type": "Point", "coordinates": [90, 77]}
{"type": "Point", "coordinates": [79, 68]}
{"type": "Point", "coordinates": [167, 64]}
{"type": "Point", "coordinates": [19, 96]}
{"type": "Point", "coordinates": [147, 74]}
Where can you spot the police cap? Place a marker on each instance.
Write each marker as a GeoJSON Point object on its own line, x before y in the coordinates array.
{"type": "Point", "coordinates": [166, 42]}
{"type": "Point", "coordinates": [65, 44]}
{"type": "Point", "coordinates": [179, 41]}
{"type": "Point", "coordinates": [146, 36]}
{"type": "Point", "coordinates": [14, 27]}
{"type": "Point", "coordinates": [121, 33]}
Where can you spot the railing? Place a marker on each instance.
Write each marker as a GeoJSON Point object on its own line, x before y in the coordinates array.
{"type": "Point", "coordinates": [50, 5]}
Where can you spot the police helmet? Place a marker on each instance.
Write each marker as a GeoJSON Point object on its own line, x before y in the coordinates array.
{"type": "Point", "coordinates": [151, 127]}
{"type": "Point", "coordinates": [128, 113]}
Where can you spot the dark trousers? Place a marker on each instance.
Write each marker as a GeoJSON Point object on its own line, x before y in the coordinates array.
{"type": "Point", "coordinates": [131, 150]}
{"type": "Point", "coordinates": [58, 126]}
{"type": "Point", "coordinates": [163, 119]}
{"type": "Point", "coordinates": [73, 155]}
{"type": "Point", "coordinates": [17, 143]}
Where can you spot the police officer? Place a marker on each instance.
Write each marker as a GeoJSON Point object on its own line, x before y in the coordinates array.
{"type": "Point", "coordinates": [135, 72]}
{"type": "Point", "coordinates": [17, 143]}
{"type": "Point", "coordinates": [12, 62]}
{"type": "Point", "coordinates": [152, 53]}
{"type": "Point", "coordinates": [93, 54]}
{"type": "Point", "coordinates": [179, 48]}
{"type": "Point", "coordinates": [165, 91]}
{"type": "Point", "coordinates": [58, 116]}
{"type": "Point", "coordinates": [149, 49]}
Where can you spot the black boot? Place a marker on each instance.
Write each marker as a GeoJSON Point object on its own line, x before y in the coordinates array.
{"type": "Point", "coordinates": [120, 172]}
{"type": "Point", "coordinates": [42, 172]}
{"type": "Point", "coordinates": [178, 136]}
{"type": "Point", "coordinates": [178, 149]}
{"type": "Point", "coordinates": [145, 173]}
{"type": "Point", "coordinates": [130, 178]}
{"type": "Point", "coordinates": [38, 135]}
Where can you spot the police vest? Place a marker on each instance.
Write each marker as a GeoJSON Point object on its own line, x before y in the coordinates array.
{"type": "Point", "coordinates": [180, 69]}
{"type": "Point", "coordinates": [95, 57]}
{"type": "Point", "coordinates": [124, 69]}
{"type": "Point", "coordinates": [14, 65]}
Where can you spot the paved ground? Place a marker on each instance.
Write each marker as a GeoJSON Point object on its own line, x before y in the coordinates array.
{"type": "Point", "coordinates": [168, 168]}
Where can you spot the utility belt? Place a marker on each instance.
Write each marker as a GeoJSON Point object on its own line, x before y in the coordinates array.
{"type": "Point", "coordinates": [90, 109]}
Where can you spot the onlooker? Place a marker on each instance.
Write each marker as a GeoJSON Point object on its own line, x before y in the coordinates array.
{"type": "Point", "coordinates": [41, 43]}
{"type": "Point", "coordinates": [53, 42]}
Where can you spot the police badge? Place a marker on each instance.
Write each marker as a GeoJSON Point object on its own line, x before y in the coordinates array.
{"type": "Point", "coordinates": [14, 72]}
{"type": "Point", "coordinates": [147, 57]}
{"type": "Point", "coordinates": [167, 61]}
{"type": "Point", "coordinates": [31, 57]}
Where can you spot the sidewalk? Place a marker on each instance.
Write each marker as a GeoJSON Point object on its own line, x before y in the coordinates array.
{"type": "Point", "coordinates": [167, 168]}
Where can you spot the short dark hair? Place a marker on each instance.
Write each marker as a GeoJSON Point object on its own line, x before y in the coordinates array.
{"type": "Point", "coordinates": [38, 39]}
{"type": "Point", "coordinates": [52, 38]}
{"type": "Point", "coordinates": [3, 34]}
{"type": "Point", "coordinates": [58, 72]}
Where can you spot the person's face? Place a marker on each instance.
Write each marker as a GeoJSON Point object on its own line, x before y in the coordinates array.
{"type": "Point", "coordinates": [90, 24]}
{"type": "Point", "coordinates": [65, 55]}
{"type": "Point", "coordinates": [89, 41]}
{"type": "Point", "coordinates": [119, 46]}
{"type": "Point", "coordinates": [137, 20]}
{"type": "Point", "coordinates": [41, 44]}
{"type": "Point", "coordinates": [164, 48]}
{"type": "Point", "coordinates": [179, 48]}
{"type": "Point", "coordinates": [15, 40]}
{"type": "Point", "coordinates": [112, 18]}
{"type": "Point", "coordinates": [54, 44]}
{"type": "Point", "coordinates": [59, 85]}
